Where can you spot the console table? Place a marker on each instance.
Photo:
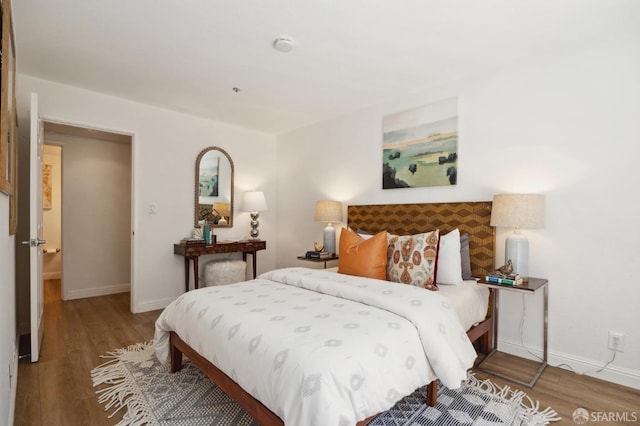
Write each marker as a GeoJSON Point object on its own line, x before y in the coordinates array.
{"type": "Point", "coordinates": [194, 251]}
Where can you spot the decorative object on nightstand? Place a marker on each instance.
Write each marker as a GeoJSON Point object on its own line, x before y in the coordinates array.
{"type": "Point", "coordinates": [329, 211]}
{"type": "Point", "coordinates": [518, 211]}
{"type": "Point", "coordinates": [254, 202]}
{"type": "Point", "coordinates": [317, 246]}
{"type": "Point", "coordinates": [506, 269]}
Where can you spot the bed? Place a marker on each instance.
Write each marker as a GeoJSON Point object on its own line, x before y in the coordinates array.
{"type": "Point", "coordinates": [361, 378]}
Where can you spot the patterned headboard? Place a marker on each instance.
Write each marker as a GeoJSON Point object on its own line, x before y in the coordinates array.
{"type": "Point", "coordinates": [405, 219]}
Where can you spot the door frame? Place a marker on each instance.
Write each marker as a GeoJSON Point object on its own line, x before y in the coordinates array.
{"type": "Point", "coordinates": [92, 127]}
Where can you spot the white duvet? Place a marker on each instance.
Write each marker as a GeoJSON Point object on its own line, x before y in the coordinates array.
{"type": "Point", "coordinates": [319, 348]}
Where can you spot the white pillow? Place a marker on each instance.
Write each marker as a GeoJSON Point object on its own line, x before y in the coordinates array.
{"type": "Point", "coordinates": [364, 235]}
{"type": "Point", "coordinates": [449, 263]}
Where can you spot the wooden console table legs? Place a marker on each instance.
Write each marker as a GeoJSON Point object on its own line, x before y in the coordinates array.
{"type": "Point", "coordinates": [253, 256]}
{"type": "Point", "coordinates": [196, 272]}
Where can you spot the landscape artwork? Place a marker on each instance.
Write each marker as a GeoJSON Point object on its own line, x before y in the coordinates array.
{"type": "Point", "coordinates": [208, 178]}
{"type": "Point", "coordinates": [420, 146]}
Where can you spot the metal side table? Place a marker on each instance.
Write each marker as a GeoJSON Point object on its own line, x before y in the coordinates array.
{"type": "Point", "coordinates": [529, 287]}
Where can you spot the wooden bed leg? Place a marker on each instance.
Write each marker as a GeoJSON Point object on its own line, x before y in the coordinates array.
{"type": "Point", "coordinates": [432, 393]}
{"type": "Point", "coordinates": [176, 359]}
{"type": "Point", "coordinates": [486, 340]}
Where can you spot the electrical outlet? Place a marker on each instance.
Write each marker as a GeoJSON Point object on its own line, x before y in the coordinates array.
{"type": "Point", "coordinates": [616, 341]}
{"type": "Point", "coordinates": [152, 208]}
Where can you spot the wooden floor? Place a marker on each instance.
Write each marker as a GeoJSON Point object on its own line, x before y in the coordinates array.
{"type": "Point", "coordinates": [57, 390]}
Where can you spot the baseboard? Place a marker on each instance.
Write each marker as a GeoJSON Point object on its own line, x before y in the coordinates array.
{"type": "Point", "coordinates": [613, 373]}
{"type": "Point", "coordinates": [13, 372]}
{"type": "Point", "coordinates": [99, 291]}
{"type": "Point", "coordinates": [153, 305]}
{"type": "Point", "coordinates": [52, 275]}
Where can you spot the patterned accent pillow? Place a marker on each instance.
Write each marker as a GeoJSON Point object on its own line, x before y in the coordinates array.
{"type": "Point", "coordinates": [412, 259]}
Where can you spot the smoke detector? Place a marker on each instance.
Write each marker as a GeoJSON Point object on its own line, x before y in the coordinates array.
{"type": "Point", "coordinates": [283, 44]}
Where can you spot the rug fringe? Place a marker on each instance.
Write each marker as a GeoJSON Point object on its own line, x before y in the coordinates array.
{"type": "Point", "coordinates": [531, 414]}
{"type": "Point", "coordinates": [121, 390]}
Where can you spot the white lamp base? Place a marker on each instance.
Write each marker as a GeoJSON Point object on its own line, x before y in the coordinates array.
{"type": "Point", "coordinates": [329, 239]}
{"type": "Point", "coordinates": [517, 249]}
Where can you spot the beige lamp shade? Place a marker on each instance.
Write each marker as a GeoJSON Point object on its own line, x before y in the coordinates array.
{"type": "Point", "coordinates": [329, 211]}
{"type": "Point", "coordinates": [518, 211]}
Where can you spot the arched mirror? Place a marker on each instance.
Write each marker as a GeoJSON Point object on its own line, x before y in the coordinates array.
{"type": "Point", "coordinates": [214, 187]}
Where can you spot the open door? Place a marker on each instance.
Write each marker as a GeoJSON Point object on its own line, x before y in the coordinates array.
{"type": "Point", "coordinates": [35, 229]}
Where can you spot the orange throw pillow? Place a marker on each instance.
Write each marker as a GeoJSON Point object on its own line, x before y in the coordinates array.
{"type": "Point", "coordinates": [363, 258]}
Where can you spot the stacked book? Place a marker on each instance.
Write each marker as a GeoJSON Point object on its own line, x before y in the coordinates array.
{"type": "Point", "coordinates": [318, 255]}
{"type": "Point", "coordinates": [513, 279]}
{"type": "Point", "coordinates": [189, 241]}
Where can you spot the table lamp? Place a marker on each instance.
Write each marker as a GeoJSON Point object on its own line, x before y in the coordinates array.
{"type": "Point", "coordinates": [329, 211]}
{"type": "Point", "coordinates": [224, 212]}
{"type": "Point", "coordinates": [254, 202]}
{"type": "Point", "coordinates": [518, 211]}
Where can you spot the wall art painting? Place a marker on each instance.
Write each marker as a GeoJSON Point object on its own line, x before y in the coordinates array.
{"type": "Point", "coordinates": [209, 174]}
{"type": "Point", "coordinates": [47, 186]}
{"type": "Point", "coordinates": [420, 146]}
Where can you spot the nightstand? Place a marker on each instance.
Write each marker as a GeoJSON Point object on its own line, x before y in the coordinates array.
{"type": "Point", "coordinates": [324, 260]}
{"type": "Point", "coordinates": [529, 287]}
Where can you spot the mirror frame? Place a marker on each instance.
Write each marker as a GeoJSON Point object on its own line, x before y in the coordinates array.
{"type": "Point", "coordinates": [197, 206]}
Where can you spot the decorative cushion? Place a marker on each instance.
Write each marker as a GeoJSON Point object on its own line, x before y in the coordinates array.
{"type": "Point", "coordinates": [465, 257]}
{"type": "Point", "coordinates": [412, 259]}
{"type": "Point", "coordinates": [363, 258]}
{"type": "Point", "coordinates": [449, 263]}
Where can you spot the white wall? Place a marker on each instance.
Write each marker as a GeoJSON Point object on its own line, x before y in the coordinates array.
{"type": "Point", "coordinates": [8, 340]}
{"type": "Point", "coordinates": [563, 126]}
{"type": "Point", "coordinates": [96, 216]}
{"type": "Point", "coordinates": [52, 218]}
{"type": "Point", "coordinates": [165, 147]}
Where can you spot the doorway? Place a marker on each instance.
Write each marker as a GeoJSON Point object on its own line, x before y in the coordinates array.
{"type": "Point", "coordinates": [95, 218]}
{"type": "Point", "coordinates": [87, 216]}
{"type": "Point", "coordinates": [52, 212]}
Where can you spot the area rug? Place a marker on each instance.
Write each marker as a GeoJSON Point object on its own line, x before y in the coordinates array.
{"type": "Point", "coordinates": [133, 380]}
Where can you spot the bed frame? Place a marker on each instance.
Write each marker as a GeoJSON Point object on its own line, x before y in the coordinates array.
{"type": "Point", "coordinates": [401, 219]}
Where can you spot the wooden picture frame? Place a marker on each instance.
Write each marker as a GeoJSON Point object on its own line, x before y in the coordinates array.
{"type": "Point", "coordinates": [7, 103]}
{"type": "Point", "coordinates": [13, 198]}
{"type": "Point", "coordinates": [8, 118]}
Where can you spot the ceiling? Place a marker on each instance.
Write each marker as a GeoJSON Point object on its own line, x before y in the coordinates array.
{"type": "Point", "coordinates": [188, 55]}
